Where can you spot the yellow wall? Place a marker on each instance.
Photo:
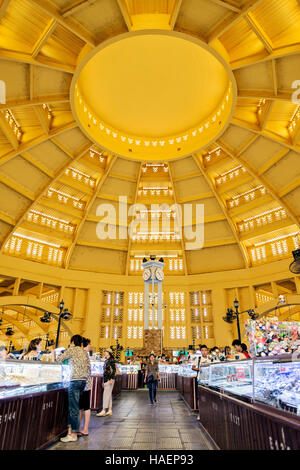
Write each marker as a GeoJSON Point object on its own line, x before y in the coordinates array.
{"type": "Point", "coordinates": [82, 293]}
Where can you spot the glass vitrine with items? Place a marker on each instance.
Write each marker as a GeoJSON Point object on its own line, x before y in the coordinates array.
{"type": "Point", "coordinates": [97, 367]}
{"type": "Point", "coordinates": [203, 376]}
{"type": "Point", "coordinates": [26, 377]}
{"type": "Point", "coordinates": [168, 368]}
{"type": "Point", "coordinates": [185, 370]}
{"type": "Point", "coordinates": [128, 368]}
{"type": "Point", "coordinates": [277, 382]}
{"type": "Point", "coordinates": [234, 377]}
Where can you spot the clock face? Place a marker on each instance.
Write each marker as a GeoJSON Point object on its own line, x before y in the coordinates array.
{"type": "Point", "coordinates": [146, 274]}
{"type": "Point", "coordinates": [159, 274]}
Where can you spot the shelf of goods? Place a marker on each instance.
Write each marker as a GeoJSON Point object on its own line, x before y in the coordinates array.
{"type": "Point", "coordinates": [96, 399]}
{"type": "Point", "coordinates": [187, 385]}
{"type": "Point", "coordinates": [252, 404]}
{"type": "Point", "coordinates": [33, 404]}
{"type": "Point", "coordinates": [168, 376]}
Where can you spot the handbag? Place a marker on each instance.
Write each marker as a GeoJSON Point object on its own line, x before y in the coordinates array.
{"type": "Point", "coordinates": [150, 379]}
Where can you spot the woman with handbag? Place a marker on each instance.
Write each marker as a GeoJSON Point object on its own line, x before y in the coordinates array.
{"type": "Point", "coordinates": [151, 378]}
{"type": "Point", "coordinates": [109, 374]}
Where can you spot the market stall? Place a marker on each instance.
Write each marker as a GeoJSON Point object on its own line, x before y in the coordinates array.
{"type": "Point", "coordinates": [33, 404]}
{"type": "Point", "coordinates": [97, 385]}
{"type": "Point", "coordinates": [252, 404]}
{"type": "Point", "coordinates": [168, 376]}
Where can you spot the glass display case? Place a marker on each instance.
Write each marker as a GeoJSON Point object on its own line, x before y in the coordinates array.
{"type": "Point", "coordinates": [277, 383]}
{"type": "Point", "coordinates": [128, 368]}
{"type": "Point", "coordinates": [27, 377]}
{"type": "Point", "coordinates": [232, 376]}
{"type": "Point", "coordinates": [273, 381]}
{"type": "Point", "coordinates": [185, 370]}
{"type": "Point", "coordinates": [97, 367]}
{"type": "Point", "coordinates": [168, 368]}
{"type": "Point", "coordinates": [203, 376]}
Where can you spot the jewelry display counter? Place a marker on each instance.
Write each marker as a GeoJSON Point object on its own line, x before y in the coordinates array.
{"type": "Point", "coordinates": [33, 404]}
{"type": "Point", "coordinates": [252, 404]}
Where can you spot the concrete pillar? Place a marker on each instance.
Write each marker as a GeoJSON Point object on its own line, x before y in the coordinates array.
{"type": "Point", "coordinates": [222, 330]}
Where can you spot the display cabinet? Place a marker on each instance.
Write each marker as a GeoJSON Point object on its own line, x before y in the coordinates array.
{"type": "Point", "coordinates": [234, 377]}
{"type": "Point", "coordinates": [277, 383]}
{"type": "Point", "coordinates": [26, 377]}
{"type": "Point", "coordinates": [187, 385]}
{"type": "Point", "coordinates": [168, 376]}
{"type": "Point", "coordinates": [252, 404]}
{"type": "Point", "coordinates": [33, 403]}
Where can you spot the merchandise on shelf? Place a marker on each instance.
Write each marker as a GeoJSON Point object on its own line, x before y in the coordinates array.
{"type": "Point", "coordinates": [271, 337]}
{"type": "Point", "coordinates": [185, 370]}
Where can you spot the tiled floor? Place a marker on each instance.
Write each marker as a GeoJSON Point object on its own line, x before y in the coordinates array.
{"type": "Point", "coordinates": [136, 425]}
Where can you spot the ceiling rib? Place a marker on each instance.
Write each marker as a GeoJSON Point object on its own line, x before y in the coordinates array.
{"type": "Point", "coordinates": [25, 103]}
{"type": "Point", "coordinates": [260, 33]}
{"type": "Point", "coordinates": [264, 56]}
{"type": "Point", "coordinates": [49, 8]}
{"type": "Point", "coordinates": [38, 140]}
{"type": "Point", "coordinates": [237, 158]}
{"type": "Point", "coordinates": [88, 206]}
{"type": "Point", "coordinates": [181, 237]}
{"type": "Point", "coordinates": [175, 13]}
{"type": "Point", "coordinates": [130, 238]}
{"type": "Point", "coordinates": [125, 13]}
{"type": "Point", "coordinates": [232, 19]}
{"type": "Point", "coordinates": [43, 191]}
{"type": "Point", "coordinates": [263, 94]}
{"type": "Point", "coordinates": [3, 8]}
{"type": "Point", "coordinates": [227, 4]}
{"type": "Point", "coordinates": [41, 61]}
{"type": "Point", "coordinates": [225, 212]}
{"type": "Point", "coordinates": [44, 37]}
{"type": "Point", "coordinates": [265, 133]}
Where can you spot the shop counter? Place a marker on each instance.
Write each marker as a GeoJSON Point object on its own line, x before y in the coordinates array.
{"type": "Point", "coordinates": [33, 404]}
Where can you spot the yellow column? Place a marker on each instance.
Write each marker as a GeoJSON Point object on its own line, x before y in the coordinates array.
{"type": "Point", "coordinates": [91, 328]}
{"type": "Point", "coordinates": [223, 331]}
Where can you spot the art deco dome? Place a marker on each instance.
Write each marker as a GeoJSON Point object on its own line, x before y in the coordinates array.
{"type": "Point", "coordinates": [191, 101]}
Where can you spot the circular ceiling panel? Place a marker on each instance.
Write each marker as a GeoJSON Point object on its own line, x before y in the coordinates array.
{"type": "Point", "coordinates": [153, 94]}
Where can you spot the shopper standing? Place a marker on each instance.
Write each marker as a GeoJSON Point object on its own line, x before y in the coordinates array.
{"type": "Point", "coordinates": [109, 374]}
{"type": "Point", "coordinates": [151, 378]}
{"type": "Point", "coordinates": [85, 399]}
{"type": "Point", "coordinates": [34, 350]}
{"type": "Point", "coordinates": [80, 370]}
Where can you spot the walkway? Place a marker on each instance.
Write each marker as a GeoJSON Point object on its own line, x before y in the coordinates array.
{"type": "Point", "coordinates": [137, 426]}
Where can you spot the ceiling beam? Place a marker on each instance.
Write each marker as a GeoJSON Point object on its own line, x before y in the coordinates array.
{"type": "Point", "coordinates": [38, 140]}
{"type": "Point", "coordinates": [130, 239]}
{"type": "Point", "coordinates": [41, 61]}
{"type": "Point", "coordinates": [3, 8]}
{"type": "Point", "coordinates": [274, 76]}
{"type": "Point", "coordinates": [266, 112]}
{"type": "Point", "coordinates": [273, 161]}
{"type": "Point", "coordinates": [86, 211]}
{"type": "Point", "coordinates": [74, 7]}
{"type": "Point", "coordinates": [229, 5]}
{"type": "Point", "coordinates": [261, 180]}
{"type": "Point", "coordinates": [260, 33]}
{"type": "Point", "coordinates": [50, 9]}
{"type": "Point", "coordinates": [25, 103]}
{"type": "Point", "coordinates": [8, 132]}
{"type": "Point", "coordinates": [224, 210]}
{"type": "Point", "coordinates": [125, 13]}
{"type": "Point", "coordinates": [263, 94]}
{"type": "Point", "coordinates": [39, 196]}
{"type": "Point", "coordinates": [264, 56]}
{"type": "Point", "coordinates": [232, 19]}
{"type": "Point", "coordinates": [174, 14]}
{"type": "Point", "coordinates": [43, 119]}
{"type": "Point", "coordinates": [44, 37]}
{"type": "Point", "coordinates": [265, 133]}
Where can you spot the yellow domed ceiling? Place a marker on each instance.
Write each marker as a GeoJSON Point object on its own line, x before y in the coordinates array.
{"type": "Point", "coordinates": [150, 74]}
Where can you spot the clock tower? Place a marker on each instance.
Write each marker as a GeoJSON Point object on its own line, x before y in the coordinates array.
{"type": "Point", "coordinates": [153, 276]}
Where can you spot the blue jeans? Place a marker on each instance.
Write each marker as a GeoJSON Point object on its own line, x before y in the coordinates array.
{"type": "Point", "coordinates": [152, 390]}
{"type": "Point", "coordinates": [75, 390]}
